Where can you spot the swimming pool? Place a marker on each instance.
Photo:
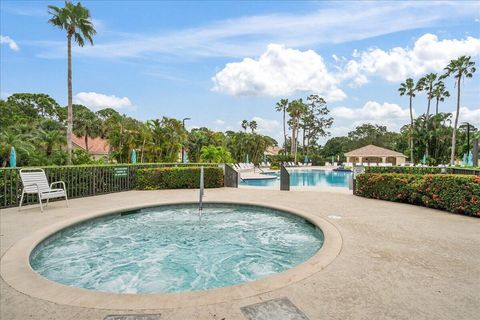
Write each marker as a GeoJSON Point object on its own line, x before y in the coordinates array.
{"type": "Point", "coordinates": [171, 248]}
{"type": "Point", "coordinates": [305, 178]}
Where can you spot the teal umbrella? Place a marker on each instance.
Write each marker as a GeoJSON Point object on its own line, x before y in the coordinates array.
{"type": "Point", "coordinates": [247, 157]}
{"type": "Point", "coordinates": [470, 159]}
{"type": "Point", "coordinates": [305, 160]}
{"type": "Point", "coordinates": [13, 158]}
{"type": "Point", "coordinates": [134, 156]}
{"type": "Point", "coordinates": [464, 163]}
{"type": "Point", "coordinates": [424, 160]}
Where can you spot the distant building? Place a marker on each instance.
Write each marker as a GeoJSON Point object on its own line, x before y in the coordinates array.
{"type": "Point", "coordinates": [97, 147]}
{"type": "Point", "coordinates": [374, 154]}
{"type": "Point", "coordinates": [272, 151]}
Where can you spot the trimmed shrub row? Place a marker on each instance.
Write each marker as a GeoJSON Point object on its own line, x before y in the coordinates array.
{"type": "Point", "coordinates": [422, 170]}
{"type": "Point", "coordinates": [178, 178]}
{"type": "Point", "coordinates": [410, 170]}
{"type": "Point", "coordinates": [454, 193]}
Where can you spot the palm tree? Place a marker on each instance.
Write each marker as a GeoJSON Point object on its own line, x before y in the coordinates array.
{"type": "Point", "coordinates": [295, 109]}
{"type": "Point", "coordinates": [245, 125]}
{"type": "Point", "coordinates": [461, 67]}
{"type": "Point", "coordinates": [439, 92]}
{"type": "Point", "coordinates": [253, 125]}
{"type": "Point", "coordinates": [409, 88]}
{"type": "Point", "coordinates": [13, 138]}
{"type": "Point", "coordinates": [76, 20]}
{"type": "Point", "coordinates": [86, 124]}
{"type": "Point", "coordinates": [427, 83]}
{"type": "Point", "coordinates": [282, 106]}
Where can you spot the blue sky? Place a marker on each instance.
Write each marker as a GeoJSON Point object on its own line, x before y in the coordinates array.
{"type": "Point", "coordinates": [221, 62]}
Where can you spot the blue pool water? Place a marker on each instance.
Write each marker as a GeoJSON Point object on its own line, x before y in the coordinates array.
{"type": "Point", "coordinates": [169, 249]}
{"type": "Point", "coordinates": [306, 178]}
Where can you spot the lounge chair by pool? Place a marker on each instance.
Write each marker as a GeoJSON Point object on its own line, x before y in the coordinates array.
{"type": "Point", "coordinates": [35, 182]}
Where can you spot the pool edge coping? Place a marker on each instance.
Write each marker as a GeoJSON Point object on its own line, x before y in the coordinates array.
{"type": "Point", "coordinates": [15, 269]}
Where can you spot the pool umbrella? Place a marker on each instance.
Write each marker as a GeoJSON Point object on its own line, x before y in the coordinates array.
{"type": "Point", "coordinates": [470, 159]}
{"type": "Point", "coordinates": [247, 158]}
{"type": "Point", "coordinates": [464, 159]}
{"type": "Point", "coordinates": [134, 156]}
{"type": "Point", "coordinates": [424, 160]}
{"type": "Point", "coordinates": [13, 158]}
{"type": "Point", "coordinates": [305, 160]}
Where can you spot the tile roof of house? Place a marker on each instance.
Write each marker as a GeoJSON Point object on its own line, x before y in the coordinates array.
{"type": "Point", "coordinates": [373, 151]}
{"type": "Point", "coordinates": [95, 145]}
{"type": "Point", "coordinates": [272, 150]}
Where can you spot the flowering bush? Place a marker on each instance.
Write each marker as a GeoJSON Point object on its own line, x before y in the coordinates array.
{"type": "Point", "coordinates": [454, 193]}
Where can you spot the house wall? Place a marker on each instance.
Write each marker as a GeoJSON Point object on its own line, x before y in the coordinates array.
{"type": "Point", "coordinates": [392, 160]}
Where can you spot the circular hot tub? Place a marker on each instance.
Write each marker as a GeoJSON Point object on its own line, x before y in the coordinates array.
{"type": "Point", "coordinates": [172, 248]}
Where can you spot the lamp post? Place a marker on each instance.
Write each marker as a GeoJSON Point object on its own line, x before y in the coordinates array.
{"type": "Point", "coordinates": [183, 144]}
{"type": "Point", "coordinates": [468, 135]}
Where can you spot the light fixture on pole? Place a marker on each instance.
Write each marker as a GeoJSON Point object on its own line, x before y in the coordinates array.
{"type": "Point", "coordinates": [183, 145]}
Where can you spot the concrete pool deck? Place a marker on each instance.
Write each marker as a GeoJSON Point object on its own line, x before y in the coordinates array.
{"type": "Point", "coordinates": [396, 262]}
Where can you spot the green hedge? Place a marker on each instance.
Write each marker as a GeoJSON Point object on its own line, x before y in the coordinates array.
{"type": "Point", "coordinates": [423, 170]}
{"type": "Point", "coordinates": [410, 170]}
{"type": "Point", "coordinates": [178, 178]}
{"type": "Point", "coordinates": [454, 193]}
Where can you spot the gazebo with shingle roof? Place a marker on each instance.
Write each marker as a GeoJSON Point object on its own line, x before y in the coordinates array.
{"type": "Point", "coordinates": [374, 154]}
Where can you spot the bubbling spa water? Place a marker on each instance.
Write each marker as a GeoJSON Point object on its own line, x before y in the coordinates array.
{"type": "Point", "coordinates": [171, 249]}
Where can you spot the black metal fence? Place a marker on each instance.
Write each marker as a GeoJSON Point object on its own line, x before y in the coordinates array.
{"type": "Point", "coordinates": [284, 179]}
{"type": "Point", "coordinates": [81, 181]}
{"type": "Point", "coordinates": [230, 177]}
{"type": "Point", "coordinates": [423, 170]}
{"type": "Point", "coordinates": [465, 171]}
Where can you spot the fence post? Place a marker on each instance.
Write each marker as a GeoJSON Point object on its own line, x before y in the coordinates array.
{"type": "Point", "coordinates": [230, 176]}
{"type": "Point", "coordinates": [356, 171]}
{"type": "Point", "coordinates": [284, 179]}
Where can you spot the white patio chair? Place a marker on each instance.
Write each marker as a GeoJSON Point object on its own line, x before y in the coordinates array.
{"type": "Point", "coordinates": [35, 181]}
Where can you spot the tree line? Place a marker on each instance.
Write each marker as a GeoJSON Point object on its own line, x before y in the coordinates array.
{"type": "Point", "coordinates": [36, 125]}
{"type": "Point", "coordinates": [434, 87]}
{"type": "Point", "coordinates": [308, 122]}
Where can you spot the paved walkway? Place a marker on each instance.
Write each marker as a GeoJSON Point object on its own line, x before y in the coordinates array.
{"type": "Point", "coordinates": [397, 261]}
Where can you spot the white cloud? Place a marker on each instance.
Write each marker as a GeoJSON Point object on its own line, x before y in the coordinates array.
{"type": "Point", "coordinates": [97, 101]}
{"type": "Point", "coordinates": [9, 41]}
{"type": "Point", "coordinates": [429, 54]}
{"type": "Point", "coordinates": [470, 115]}
{"type": "Point", "coordinates": [219, 122]}
{"type": "Point", "coordinates": [4, 95]}
{"type": "Point", "coordinates": [277, 72]}
{"type": "Point", "coordinates": [248, 35]}
{"type": "Point", "coordinates": [266, 125]}
{"type": "Point", "coordinates": [389, 114]}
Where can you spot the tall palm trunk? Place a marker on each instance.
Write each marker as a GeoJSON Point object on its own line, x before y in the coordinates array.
{"type": "Point", "coordinates": [86, 142]}
{"type": "Point", "coordinates": [436, 107]}
{"type": "Point", "coordinates": [69, 107]}
{"type": "Point", "coordinates": [411, 131]}
{"type": "Point", "coordinates": [454, 133]}
{"type": "Point", "coordinates": [284, 134]}
{"type": "Point", "coordinates": [429, 100]}
{"type": "Point", "coordinates": [292, 140]}
{"type": "Point", "coordinates": [143, 148]}
{"type": "Point", "coordinates": [426, 121]}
